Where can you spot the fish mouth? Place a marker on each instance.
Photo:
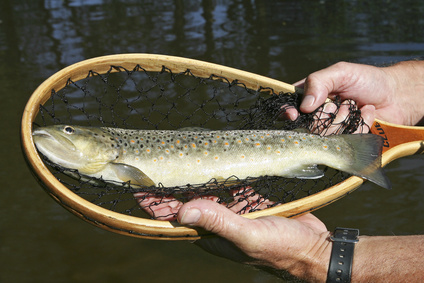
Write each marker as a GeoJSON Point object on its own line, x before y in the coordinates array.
{"type": "Point", "coordinates": [42, 134]}
{"type": "Point", "coordinates": [45, 138]}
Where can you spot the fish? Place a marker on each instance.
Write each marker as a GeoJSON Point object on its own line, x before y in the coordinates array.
{"type": "Point", "coordinates": [173, 158]}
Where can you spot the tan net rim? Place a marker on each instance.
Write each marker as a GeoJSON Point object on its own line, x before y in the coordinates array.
{"type": "Point", "coordinates": [141, 227]}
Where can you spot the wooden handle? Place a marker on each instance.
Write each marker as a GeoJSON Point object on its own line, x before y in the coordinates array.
{"type": "Point", "coordinates": [399, 141]}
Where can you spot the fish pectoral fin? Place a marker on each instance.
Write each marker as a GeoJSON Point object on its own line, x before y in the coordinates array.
{"type": "Point", "coordinates": [130, 173]}
{"type": "Point", "coordinates": [308, 172]}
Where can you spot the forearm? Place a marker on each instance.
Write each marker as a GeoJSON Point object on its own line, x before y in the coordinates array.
{"type": "Point", "coordinates": [376, 259]}
{"type": "Point", "coordinates": [407, 79]}
{"type": "Point", "coordinates": [389, 259]}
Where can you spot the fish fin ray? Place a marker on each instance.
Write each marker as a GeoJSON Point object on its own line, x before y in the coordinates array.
{"type": "Point", "coordinates": [308, 172]}
{"type": "Point", "coordinates": [366, 162]}
{"type": "Point", "coordinates": [130, 173]}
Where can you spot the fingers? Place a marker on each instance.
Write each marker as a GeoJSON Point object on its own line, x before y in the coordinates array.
{"type": "Point", "coordinates": [300, 83]}
{"type": "Point", "coordinates": [333, 80]}
{"type": "Point", "coordinates": [159, 207]}
{"type": "Point", "coordinates": [316, 91]}
{"type": "Point", "coordinates": [368, 114]}
{"type": "Point", "coordinates": [215, 218]}
{"type": "Point", "coordinates": [247, 199]}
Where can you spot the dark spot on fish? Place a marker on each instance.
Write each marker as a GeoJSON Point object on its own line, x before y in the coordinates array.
{"type": "Point", "coordinates": [141, 145]}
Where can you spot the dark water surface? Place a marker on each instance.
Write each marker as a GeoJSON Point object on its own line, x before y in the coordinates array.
{"type": "Point", "coordinates": [286, 40]}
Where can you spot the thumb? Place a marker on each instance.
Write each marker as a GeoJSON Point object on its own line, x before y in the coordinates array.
{"type": "Point", "coordinates": [316, 92]}
{"type": "Point", "coordinates": [213, 217]}
{"type": "Point", "coordinates": [320, 84]}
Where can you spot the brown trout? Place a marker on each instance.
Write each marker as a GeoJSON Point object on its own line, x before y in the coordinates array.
{"type": "Point", "coordinates": [181, 157]}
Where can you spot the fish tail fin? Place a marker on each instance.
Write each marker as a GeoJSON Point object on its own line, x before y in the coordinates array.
{"type": "Point", "coordinates": [366, 163]}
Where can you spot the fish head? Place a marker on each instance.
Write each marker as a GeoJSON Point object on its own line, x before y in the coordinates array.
{"type": "Point", "coordinates": [86, 149]}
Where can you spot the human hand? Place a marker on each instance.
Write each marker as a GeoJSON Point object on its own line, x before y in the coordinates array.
{"type": "Point", "coordinates": [377, 91]}
{"type": "Point", "coordinates": [299, 246]}
{"type": "Point", "coordinates": [166, 206]}
{"type": "Point", "coordinates": [275, 244]}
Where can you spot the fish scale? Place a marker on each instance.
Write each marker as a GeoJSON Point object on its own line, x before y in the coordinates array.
{"type": "Point", "coordinates": [194, 155]}
{"type": "Point", "coordinates": [180, 157]}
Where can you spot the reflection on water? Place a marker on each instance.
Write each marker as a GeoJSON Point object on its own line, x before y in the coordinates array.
{"type": "Point", "coordinates": [253, 34]}
{"type": "Point", "coordinates": [285, 40]}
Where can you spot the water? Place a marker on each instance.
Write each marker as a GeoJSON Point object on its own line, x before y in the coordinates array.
{"type": "Point", "coordinates": [286, 40]}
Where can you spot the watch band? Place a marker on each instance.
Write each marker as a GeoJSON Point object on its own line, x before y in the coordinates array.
{"type": "Point", "coordinates": [341, 259]}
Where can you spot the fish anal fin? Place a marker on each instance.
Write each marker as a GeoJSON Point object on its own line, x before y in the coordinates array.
{"type": "Point", "coordinates": [308, 172]}
{"type": "Point", "coordinates": [130, 173]}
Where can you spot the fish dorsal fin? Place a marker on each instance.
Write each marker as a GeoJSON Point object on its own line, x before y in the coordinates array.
{"type": "Point", "coordinates": [130, 173]}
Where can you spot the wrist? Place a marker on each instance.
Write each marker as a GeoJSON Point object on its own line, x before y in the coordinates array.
{"type": "Point", "coordinates": [341, 260]}
{"type": "Point", "coordinates": [313, 265]}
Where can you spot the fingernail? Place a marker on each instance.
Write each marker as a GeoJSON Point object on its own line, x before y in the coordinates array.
{"type": "Point", "coordinates": [329, 108]}
{"type": "Point", "coordinates": [191, 216]}
{"type": "Point", "coordinates": [292, 115]}
{"type": "Point", "coordinates": [308, 101]}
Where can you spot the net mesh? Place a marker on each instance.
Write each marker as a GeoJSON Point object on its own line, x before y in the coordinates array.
{"type": "Point", "coordinates": [139, 99]}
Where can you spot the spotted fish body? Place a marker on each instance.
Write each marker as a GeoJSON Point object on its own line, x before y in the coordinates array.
{"type": "Point", "coordinates": [177, 158]}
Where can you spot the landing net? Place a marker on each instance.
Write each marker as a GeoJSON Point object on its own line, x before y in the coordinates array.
{"type": "Point", "coordinates": [139, 99]}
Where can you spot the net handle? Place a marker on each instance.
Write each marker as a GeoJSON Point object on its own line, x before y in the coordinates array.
{"type": "Point", "coordinates": [147, 228]}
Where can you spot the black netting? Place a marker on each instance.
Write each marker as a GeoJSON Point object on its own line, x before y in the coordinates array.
{"type": "Point", "coordinates": [138, 99]}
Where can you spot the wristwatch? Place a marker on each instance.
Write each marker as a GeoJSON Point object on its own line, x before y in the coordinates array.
{"type": "Point", "coordinates": [341, 259]}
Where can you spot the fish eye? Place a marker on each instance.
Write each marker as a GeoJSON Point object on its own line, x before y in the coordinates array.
{"type": "Point", "coordinates": [68, 130]}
